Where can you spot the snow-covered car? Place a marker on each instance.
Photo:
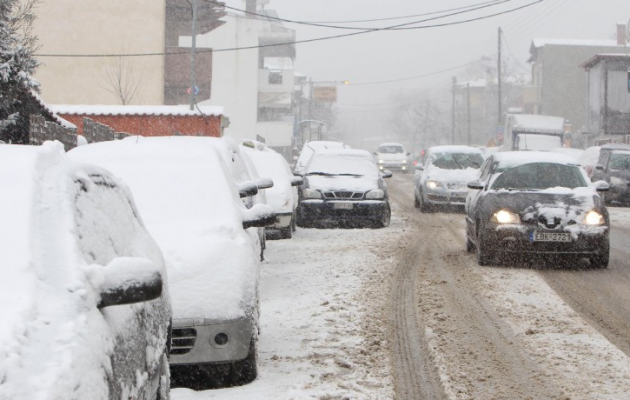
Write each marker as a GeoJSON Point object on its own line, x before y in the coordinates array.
{"type": "Point", "coordinates": [588, 159]}
{"type": "Point", "coordinates": [283, 196]}
{"type": "Point", "coordinates": [613, 167]}
{"type": "Point", "coordinates": [310, 148]}
{"type": "Point", "coordinates": [344, 185]}
{"type": "Point", "coordinates": [392, 157]}
{"type": "Point", "coordinates": [191, 205]}
{"type": "Point", "coordinates": [576, 154]}
{"type": "Point", "coordinates": [85, 306]}
{"type": "Point", "coordinates": [442, 179]}
{"type": "Point", "coordinates": [536, 203]}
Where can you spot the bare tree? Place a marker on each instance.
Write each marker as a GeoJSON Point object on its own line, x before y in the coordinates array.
{"type": "Point", "coordinates": [121, 80]}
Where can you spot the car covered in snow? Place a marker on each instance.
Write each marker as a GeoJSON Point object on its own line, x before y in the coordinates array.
{"type": "Point", "coordinates": [588, 159]}
{"type": "Point", "coordinates": [191, 205]}
{"type": "Point", "coordinates": [441, 180]}
{"type": "Point", "coordinates": [536, 203]}
{"type": "Point", "coordinates": [85, 306]}
{"type": "Point", "coordinates": [310, 148]}
{"type": "Point", "coordinates": [613, 167]}
{"type": "Point", "coordinates": [344, 185]}
{"type": "Point", "coordinates": [392, 157]}
{"type": "Point", "coordinates": [283, 196]}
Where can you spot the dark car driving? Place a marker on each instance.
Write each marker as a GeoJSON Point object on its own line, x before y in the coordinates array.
{"type": "Point", "coordinates": [536, 203]}
{"type": "Point", "coordinates": [343, 185]}
{"type": "Point", "coordinates": [613, 167]}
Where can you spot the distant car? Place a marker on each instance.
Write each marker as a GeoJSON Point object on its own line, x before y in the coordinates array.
{"type": "Point", "coordinates": [310, 148]}
{"type": "Point", "coordinates": [441, 180]}
{"type": "Point", "coordinates": [85, 306]}
{"type": "Point", "coordinates": [392, 157]}
{"type": "Point", "coordinates": [536, 203]}
{"type": "Point", "coordinates": [613, 167]}
{"type": "Point", "coordinates": [344, 185]}
{"type": "Point", "coordinates": [283, 196]}
{"type": "Point", "coordinates": [191, 205]}
{"type": "Point", "coordinates": [588, 159]}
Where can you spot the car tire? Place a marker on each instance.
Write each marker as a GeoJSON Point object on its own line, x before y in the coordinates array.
{"type": "Point", "coordinates": [424, 207]}
{"type": "Point", "coordinates": [470, 247]}
{"type": "Point", "coordinates": [245, 371]}
{"type": "Point", "coordinates": [601, 260]}
{"type": "Point", "coordinates": [484, 256]}
{"type": "Point", "coordinates": [385, 218]}
{"type": "Point", "coordinates": [416, 202]}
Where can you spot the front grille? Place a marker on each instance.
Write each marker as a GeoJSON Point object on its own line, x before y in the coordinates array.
{"type": "Point", "coordinates": [183, 340]}
{"type": "Point", "coordinates": [343, 195]}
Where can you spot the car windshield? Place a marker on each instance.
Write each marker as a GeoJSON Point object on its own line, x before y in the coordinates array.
{"type": "Point", "coordinates": [620, 161]}
{"type": "Point", "coordinates": [329, 164]}
{"type": "Point", "coordinates": [391, 149]}
{"type": "Point", "coordinates": [540, 176]}
{"type": "Point", "coordinates": [457, 160]}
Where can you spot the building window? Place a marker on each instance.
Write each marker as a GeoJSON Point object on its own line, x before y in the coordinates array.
{"type": "Point", "coordinates": [275, 77]}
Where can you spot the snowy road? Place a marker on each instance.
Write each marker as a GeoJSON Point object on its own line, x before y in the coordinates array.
{"type": "Point", "coordinates": [404, 312]}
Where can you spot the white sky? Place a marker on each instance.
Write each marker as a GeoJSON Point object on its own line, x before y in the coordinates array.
{"type": "Point", "coordinates": [380, 56]}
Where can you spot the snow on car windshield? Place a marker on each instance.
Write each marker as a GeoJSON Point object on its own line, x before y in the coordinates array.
{"type": "Point", "coordinates": [540, 176]}
{"type": "Point", "coordinates": [457, 160]}
{"type": "Point", "coordinates": [336, 164]}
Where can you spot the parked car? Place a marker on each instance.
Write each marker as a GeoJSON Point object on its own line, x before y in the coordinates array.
{"type": "Point", "coordinates": [613, 167]}
{"type": "Point", "coordinates": [536, 203]}
{"type": "Point", "coordinates": [310, 148]}
{"type": "Point", "coordinates": [392, 157]}
{"type": "Point", "coordinates": [191, 204]}
{"type": "Point", "coordinates": [588, 159]}
{"type": "Point", "coordinates": [283, 196]}
{"type": "Point", "coordinates": [344, 185]}
{"type": "Point", "coordinates": [441, 180]}
{"type": "Point", "coordinates": [85, 304]}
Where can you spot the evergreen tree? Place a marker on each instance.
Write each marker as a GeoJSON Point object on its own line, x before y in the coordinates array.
{"type": "Point", "coordinates": [17, 65]}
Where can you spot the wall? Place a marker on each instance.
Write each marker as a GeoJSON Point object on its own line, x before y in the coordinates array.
{"type": "Point", "coordinates": [153, 125]}
{"type": "Point", "coordinates": [103, 27]}
{"type": "Point", "coordinates": [41, 130]}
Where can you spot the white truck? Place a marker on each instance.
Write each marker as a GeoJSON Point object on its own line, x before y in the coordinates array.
{"type": "Point", "coordinates": [533, 132]}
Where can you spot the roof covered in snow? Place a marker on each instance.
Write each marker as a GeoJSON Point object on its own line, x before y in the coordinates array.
{"type": "Point", "coordinates": [537, 123]}
{"type": "Point", "coordinates": [542, 42]}
{"type": "Point", "coordinates": [179, 110]}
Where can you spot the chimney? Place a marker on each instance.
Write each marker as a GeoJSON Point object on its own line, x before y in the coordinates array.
{"type": "Point", "coordinates": [621, 34]}
{"type": "Point", "coordinates": [250, 6]}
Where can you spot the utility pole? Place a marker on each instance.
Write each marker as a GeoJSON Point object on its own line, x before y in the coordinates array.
{"type": "Point", "coordinates": [453, 113]}
{"type": "Point", "coordinates": [499, 82]}
{"type": "Point", "coordinates": [193, 77]}
{"type": "Point", "coordinates": [468, 111]}
{"type": "Point", "coordinates": [310, 108]}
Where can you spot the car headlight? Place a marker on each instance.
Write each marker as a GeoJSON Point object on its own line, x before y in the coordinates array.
{"type": "Point", "coordinates": [311, 194]}
{"type": "Point", "coordinates": [381, 161]}
{"type": "Point", "coordinates": [375, 194]}
{"type": "Point", "coordinates": [433, 184]}
{"type": "Point", "coordinates": [403, 161]}
{"type": "Point", "coordinates": [506, 217]}
{"type": "Point", "coordinates": [593, 218]}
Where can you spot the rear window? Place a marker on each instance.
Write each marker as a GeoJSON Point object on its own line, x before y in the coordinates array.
{"type": "Point", "coordinates": [540, 176]}
{"type": "Point", "coordinates": [620, 161]}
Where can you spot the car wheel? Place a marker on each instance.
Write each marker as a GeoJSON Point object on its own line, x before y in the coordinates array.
{"type": "Point", "coordinates": [424, 207]}
{"type": "Point", "coordinates": [601, 260]}
{"type": "Point", "coordinates": [385, 218]}
{"type": "Point", "coordinates": [484, 255]}
{"type": "Point", "coordinates": [286, 233]}
{"type": "Point", "coordinates": [245, 371]}
{"type": "Point", "coordinates": [416, 202]}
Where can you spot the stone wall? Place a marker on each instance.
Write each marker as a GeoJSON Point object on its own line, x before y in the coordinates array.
{"type": "Point", "coordinates": [41, 130]}
{"type": "Point", "coordinates": [96, 132]}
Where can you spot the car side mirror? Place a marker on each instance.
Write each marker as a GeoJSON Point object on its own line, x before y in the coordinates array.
{"type": "Point", "coordinates": [387, 174]}
{"type": "Point", "coordinates": [475, 185]}
{"type": "Point", "coordinates": [599, 167]}
{"type": "Point", "coordinates": [247, 189]}
{"type": "Point", "coordinates": [375, 153]}
{"type": "Point", "coordinates": [419, 167]}
{"type": "Point", "coordinates": [128, 280]}
{"type": "Point", "coordinates": [601, 186]}
{"type": "Point", "coordinates": [297, 181]}
{"type": "Point", "coordinates": [259, 216]}
{"type": "Point", "coordinates": [264, 183]}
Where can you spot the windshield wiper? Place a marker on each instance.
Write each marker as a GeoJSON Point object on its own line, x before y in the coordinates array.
{"type": "Point", "coordinates": [474, 162]}
{"type": "Point", "coordinates": [320, 173]}
{"type": "Point", "coordinates": [349, 174]}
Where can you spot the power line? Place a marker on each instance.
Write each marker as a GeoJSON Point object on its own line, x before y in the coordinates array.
{"type": "Point", "coordinates": [296, 41]}
{"type": "Point", "coordinates": [470, 8]}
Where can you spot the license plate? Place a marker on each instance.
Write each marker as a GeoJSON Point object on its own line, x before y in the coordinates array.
{"type": "Point", "coordinates": [550, 237]}
{"type": "Point", "coordinates": [342, 206]}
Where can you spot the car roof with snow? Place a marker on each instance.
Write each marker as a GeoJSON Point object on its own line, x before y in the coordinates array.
{"type": "Point", "coordinates": [345, 152]}
{"type": "Point", "coordinates": [456, 149]}
{"type": "Point", "coordinates": [191, 206]}
{"type": "Point", "coordinates": [509, 159]}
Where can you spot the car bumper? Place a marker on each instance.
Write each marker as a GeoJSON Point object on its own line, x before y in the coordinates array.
{"type": "Point", "coordinates": [519, 239]}
{"type": "Point", "coordinates": [193, 340]}
{"type": "Point", "coordinates": [394, 167]}
{"type": "Point", "coordinates": [445, 197]}
{"type": "Point", "coordinates": [332, 210]}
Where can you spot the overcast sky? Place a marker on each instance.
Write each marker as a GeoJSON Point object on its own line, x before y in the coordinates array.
{"type": "Point", "coordinates": [387, 55]}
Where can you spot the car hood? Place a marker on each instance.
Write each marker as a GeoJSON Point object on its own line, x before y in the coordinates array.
{"type": "Point", "coordinates": [454, 176]}
{"type": "Point", "coordinates": [338, 183]}
{"type": "Point", "coordinates": [548, 208]}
